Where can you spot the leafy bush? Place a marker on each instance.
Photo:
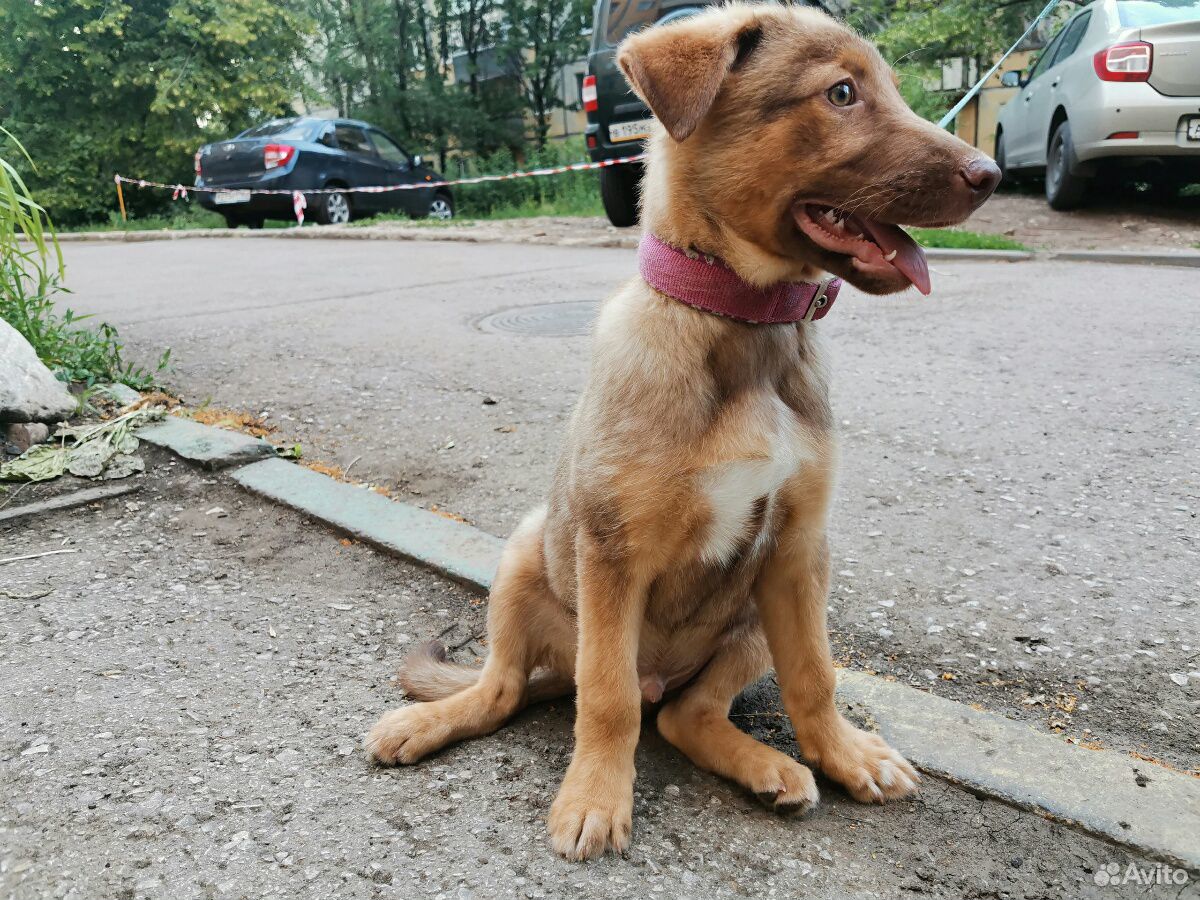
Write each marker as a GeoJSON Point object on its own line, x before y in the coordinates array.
{"type": "Point", "coordinates": [570, 194]}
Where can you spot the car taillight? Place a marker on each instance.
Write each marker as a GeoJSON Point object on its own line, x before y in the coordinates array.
{"type": "Point", "coordinates": [275, 155]}
{"type": "Point", "coordinates": [1130, 61]}
{"type": "Point", "coordinates": [196, 162]}
{"type": "Point", "coordinates": [588, 94]}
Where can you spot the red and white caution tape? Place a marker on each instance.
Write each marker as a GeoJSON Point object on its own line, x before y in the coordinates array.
{"type": "Point", "coordinates": [299, 204]}
{"type": "Point", "coordinates": [383, 189]}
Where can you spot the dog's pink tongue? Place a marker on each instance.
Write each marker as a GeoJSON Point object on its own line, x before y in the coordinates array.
{"type": "Point", "coordinates": [909, 259]}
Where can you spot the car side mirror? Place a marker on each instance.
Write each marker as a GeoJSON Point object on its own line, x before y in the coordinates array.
{"type": "Point", "coordinates": [416, 160]}
{"type": "Point", "coordinates": [1012, 78]}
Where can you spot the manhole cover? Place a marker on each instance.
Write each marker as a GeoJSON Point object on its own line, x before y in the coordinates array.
{"type": "Point", "coordinates": [543, 320]}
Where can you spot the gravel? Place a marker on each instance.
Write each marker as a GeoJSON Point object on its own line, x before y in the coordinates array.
{"type": "Point", "coordinates": [184, 709]}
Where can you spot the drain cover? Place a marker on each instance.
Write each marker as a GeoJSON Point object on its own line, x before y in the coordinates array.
{"type": "Point", "coordinates": [543, 320]}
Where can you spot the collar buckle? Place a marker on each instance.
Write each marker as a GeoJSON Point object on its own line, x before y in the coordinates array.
{"type": "Point", "coordinates": [819, 301]}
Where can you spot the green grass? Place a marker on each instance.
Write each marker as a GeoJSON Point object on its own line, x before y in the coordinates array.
{"type": "Point", "coordinates": [574, 205]}
{"type": "Point", "coordinates": [191, 216]}
{"type": "Point", "coordinates": [963, 240]}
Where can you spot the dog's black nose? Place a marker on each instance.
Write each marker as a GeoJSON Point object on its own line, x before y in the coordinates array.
{"type": "Point", "coordinates": [982, 177]}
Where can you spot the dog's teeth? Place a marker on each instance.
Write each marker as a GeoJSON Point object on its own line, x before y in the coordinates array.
{"type": "Point", "coordinates": [890, 256]}
{"type": "Point", "coordinates": [829, 216]}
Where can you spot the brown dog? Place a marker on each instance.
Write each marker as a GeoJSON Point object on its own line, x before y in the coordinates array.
{"type": "Point", "coordinates": [683, 549]}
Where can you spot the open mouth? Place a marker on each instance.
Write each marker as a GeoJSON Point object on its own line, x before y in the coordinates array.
{"type": "Point", "coordinates": [876, 248]}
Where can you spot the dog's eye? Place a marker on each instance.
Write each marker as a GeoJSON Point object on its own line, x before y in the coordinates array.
{"type": "Point", "coordinates": [841, 94]}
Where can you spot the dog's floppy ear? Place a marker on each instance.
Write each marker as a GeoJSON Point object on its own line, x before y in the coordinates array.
{"type": "Point", "coordinates": [678, 69]}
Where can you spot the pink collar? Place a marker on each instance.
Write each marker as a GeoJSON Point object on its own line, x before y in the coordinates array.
{"type": "Point", "coordinates": [716, 288]}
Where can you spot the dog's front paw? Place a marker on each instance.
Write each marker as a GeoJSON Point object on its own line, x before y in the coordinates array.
{"type": "Point", "coordinates": [865, 765]}
{"type": "Point", "coordinates": [404, 735]}
{"type": "Point", "coordinates": [585, 822]}
{"type": "Point", "coordinates": [784, 785]}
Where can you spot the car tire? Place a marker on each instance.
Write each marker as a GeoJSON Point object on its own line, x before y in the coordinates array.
{"type": "Point", "coordinates": [441, 207]}
{"type": "Point", "coordinates": [1006, 177]}
{"type": "Point", "coordinates": [619, 193]}
{"type": "Point", "coordinates": [1063, 189]}
{"type": "Point", "coordinates": [333, 208]}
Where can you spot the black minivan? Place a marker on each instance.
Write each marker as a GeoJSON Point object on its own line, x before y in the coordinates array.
{"type": "Point", "coordinates": [617, 119]}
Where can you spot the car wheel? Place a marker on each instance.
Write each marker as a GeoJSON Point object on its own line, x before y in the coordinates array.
{"type": "Point", "coordinates": [619, 193]}
{"type": "Point", "coordinates": [441, 207]}
{"type": "Point", "coordinates": [333, 208]}
{"type": "Point", "coordinates": [1063, 190]}
{"type": "Point", "coordinates": [1006, 177]}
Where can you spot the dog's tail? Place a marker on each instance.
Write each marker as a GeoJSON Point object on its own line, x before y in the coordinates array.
{"type": "Point", "coordinates": [427, 674]}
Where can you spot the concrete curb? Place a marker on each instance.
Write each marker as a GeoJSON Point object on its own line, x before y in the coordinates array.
{"type": "Point", "coordinates": [458, 551]}
{"type": "Point", "coordinates": [68, 501]}
{"type": "Point", "coordinates": [210, 447]}
{"type": "Point", "coordinates": [1139, 805]}
{"type": "Point", "coordinates": [1182, 258]}
{"type": "Point", "coordinates": [1147, 808]}
{"type": "Point", "coordinates": [618, 241]}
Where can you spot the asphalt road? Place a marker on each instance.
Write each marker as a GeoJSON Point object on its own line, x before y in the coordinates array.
{"type": "Point", "coordinates": [1016, 522]}
{"type": "Point", "coordinates": [187, 688]}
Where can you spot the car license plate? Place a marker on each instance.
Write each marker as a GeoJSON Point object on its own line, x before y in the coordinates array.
{"type": "Point", "coordinates": [224, 198]}
{"type": "Point", "coordinates": [1193, 129]}
{"type": "Point", "coordinates": [629, 131]}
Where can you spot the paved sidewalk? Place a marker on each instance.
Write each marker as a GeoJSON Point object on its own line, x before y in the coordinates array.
{"type": "Point", "coordinates": [186, 695]}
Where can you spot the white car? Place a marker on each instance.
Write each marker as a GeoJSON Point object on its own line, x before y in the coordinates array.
{"type": "Point", "coordinates": [1116, 94]}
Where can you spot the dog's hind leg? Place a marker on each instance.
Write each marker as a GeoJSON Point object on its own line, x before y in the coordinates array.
{"type": "Point", "coordinates": [522, 618]}
{"type": "Point", "coordinates": [697, 722]}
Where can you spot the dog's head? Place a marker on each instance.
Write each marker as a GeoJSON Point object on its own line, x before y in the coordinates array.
{"type": "Point", "coordinates": [786, 135]}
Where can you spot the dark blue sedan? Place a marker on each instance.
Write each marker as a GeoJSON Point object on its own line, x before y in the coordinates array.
{"type": "Point", "coordinates": [306, 154]}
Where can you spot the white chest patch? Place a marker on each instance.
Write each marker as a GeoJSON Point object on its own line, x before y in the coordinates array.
{"type": "Point", "coordinates": [733, 488]}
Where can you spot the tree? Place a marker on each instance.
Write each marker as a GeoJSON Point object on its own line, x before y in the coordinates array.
{"type": "Point", "coordinates": [916, 35]}
{"type": "Point", "coordinates": [540, 37]}
{"type": "Point", "coordinates": [103, 86]}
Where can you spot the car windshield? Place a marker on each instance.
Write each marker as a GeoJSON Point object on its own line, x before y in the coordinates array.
{"type": "Point", "coordinates": [627, 16]}
{"type": "Point", "coordinates": [1140, 13]}
{"type": "Point", "coordinates": [295, 129]}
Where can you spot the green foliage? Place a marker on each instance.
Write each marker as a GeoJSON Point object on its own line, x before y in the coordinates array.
{"type": "Point", "coordinates": [916, 35]}
{"type": "Point", "coordinates": [30, 279]}
{"type": "Point", "coordinates": [540, 37]}
{"type": "Point", "coordinates": [100, 86]}
{"type": "Point", "coordinates": [576, 191]}
{"type": "Point", "coordinates": [75, 354]}
{"type": "Point", "coordinates": [392, 62]}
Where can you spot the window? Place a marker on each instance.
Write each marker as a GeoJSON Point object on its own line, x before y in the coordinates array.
{"type": "Point", "coordinates": [388, 149]}
{"type": "Point", "coordinates": [1043, 61]}
{"type": "Point", "coordinates": [284, 129]}
{"type": "Point", "coordinates": [353, 139]}
{"type": "Point", "coordinates": [1071, 38]}
{"type": "Point", "coordinates": [327, 138]}
{"type": "Point", "coordinates": [1141, 13]}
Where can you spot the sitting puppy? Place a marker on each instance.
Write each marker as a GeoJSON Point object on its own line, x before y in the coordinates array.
{"type": "Point", "coordinates": [683, 549]}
